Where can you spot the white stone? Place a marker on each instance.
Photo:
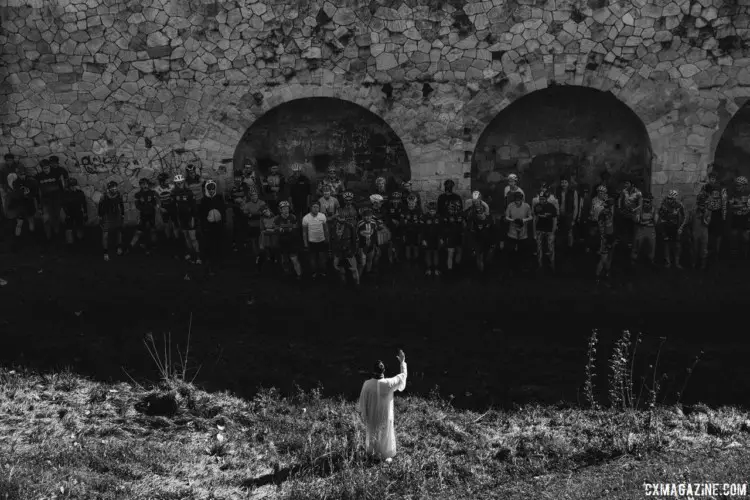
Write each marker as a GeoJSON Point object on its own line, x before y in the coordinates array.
{"type": "Point", "coordinates": [688, 70]}
{"type": "Point", "coordinates": [157, 39]}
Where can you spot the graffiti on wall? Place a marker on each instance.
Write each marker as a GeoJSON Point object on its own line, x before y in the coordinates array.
{"type": "Point", "coordinates": [95, 168]}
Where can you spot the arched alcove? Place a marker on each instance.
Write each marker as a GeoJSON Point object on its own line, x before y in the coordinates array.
{"type": "Point", "coordinates": [732, 156]}
{"type": "Point", "coordinates": [320, 132]}
{"type": "Point", "coordinates": [561, 130]}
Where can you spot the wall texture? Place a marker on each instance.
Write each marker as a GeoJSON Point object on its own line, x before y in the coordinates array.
{"type": "Point", "coordinates": [152, 80]}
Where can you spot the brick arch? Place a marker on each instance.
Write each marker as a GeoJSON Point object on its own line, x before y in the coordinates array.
{"type": "Point", "coordinates": [282, 94]}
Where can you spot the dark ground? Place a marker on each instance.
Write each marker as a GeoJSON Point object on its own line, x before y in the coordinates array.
{"type": "Point", "coordinates": [483, 343]}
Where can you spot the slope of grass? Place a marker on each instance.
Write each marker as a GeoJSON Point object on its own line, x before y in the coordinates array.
{"type": "Point", "coordinates": [64, 436]}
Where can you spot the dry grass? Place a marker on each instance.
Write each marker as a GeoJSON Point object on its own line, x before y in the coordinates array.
{"type": "Point", "coordinates": [63, 436]}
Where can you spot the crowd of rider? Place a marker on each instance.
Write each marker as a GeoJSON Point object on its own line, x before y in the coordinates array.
{"type": "Point", "coordinates": [277, 219]}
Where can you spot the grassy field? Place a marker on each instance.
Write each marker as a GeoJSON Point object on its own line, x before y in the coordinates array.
{"type": "Point", "coordinates": [475, 351]}
{"type": "Point", "coordinates": [64, 436]}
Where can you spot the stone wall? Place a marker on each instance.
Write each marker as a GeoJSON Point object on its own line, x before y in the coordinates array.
{"type": "Point", "coordinates": [190, 75]}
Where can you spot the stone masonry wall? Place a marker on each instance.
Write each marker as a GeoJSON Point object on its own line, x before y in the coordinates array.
{"type": "Point", "coordinates": [155, 80]}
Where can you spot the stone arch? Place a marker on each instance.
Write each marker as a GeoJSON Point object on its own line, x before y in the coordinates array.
{"type": "Point", "coordinates": [369, 144]}
{"type": "Point", "coordinates": [346, 91]}
{"type": "Point", "coordinates": [730, 155]}
{"type": "Point", "coordinates": [494, 102]}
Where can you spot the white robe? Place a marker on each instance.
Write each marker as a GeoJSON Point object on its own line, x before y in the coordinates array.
{"type": "Point", "coordinates": [376, 409]}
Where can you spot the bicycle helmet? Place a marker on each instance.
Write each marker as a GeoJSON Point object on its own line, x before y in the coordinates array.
{"type": "Point", "coordinates": [672, 195]}
{"type": "Point", "coordinates": [741, 180]}
{"type": "Point", "coordinates": [283, 204]}
{"type": "Point", "coordinates": [348, 196]}
{"type": "Point", "coordinates": [179, 178]}
{"type": "Point", "coordinates": [396, 195]}
{"type": "Point", "coordinates": [376, 198]}
{"type": "Point", "coordinates": [512, 177]}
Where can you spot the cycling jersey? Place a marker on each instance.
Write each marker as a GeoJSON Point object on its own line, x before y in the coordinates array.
{"type": "Point", "coordinates": [184, 201]}
{"type": "Point", "coordinates": [393, 216]}
{"type": "Point", "coordinates": [432, 227]}
{"type": "Point", "coordinates": [482, 231]}
{"type": "Point", "coordinates": [740, 210]}
{"type": "Point", "coordinates": [112, 208]}
{"type": "Point", "coordinates": [74, 204]}
{"type": "Point", "coordinates": [289, 237]}
{"type": "Point", "coordinates": [165, 196]}
{"type": "Point", "coordinates": [196, 188]}
{"type": "Point", "coordinates": [350, 214]}
{"type": "Point", "coordinates": [629, 202]}
{"type": "Point", "coordinates": [453, 230]}
{"type": "Point", "coordinates": [50, 185]}
{"type": "Point", "coordinates": [444, 200]}
{"type": "Point", "coordinates": [343, 240]}
{"type": "Point", "coordinates": [366, 236]}
{"type": "Point", "coordinates": [145, 201]}
{"type": "Point", "coordinates": [328, 207]}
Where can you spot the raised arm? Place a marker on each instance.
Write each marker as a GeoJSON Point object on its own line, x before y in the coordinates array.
{"type": "Point", "coordinates": [398, 383]}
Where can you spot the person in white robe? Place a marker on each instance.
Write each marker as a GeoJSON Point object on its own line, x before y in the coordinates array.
{"type": "Point", "coordinates": [376, 409]}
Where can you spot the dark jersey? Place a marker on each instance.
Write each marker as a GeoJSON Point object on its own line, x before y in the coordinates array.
{"type": "Point", "coordinates": [432, 227]}
{"type": "Point", "coordinates": [111, 207]}
{"type": "Point", "coordinates": [412, 220]}
{"type": "Point", "coordinates": [23, 194]}
{"type": "Point", "coordinates": [446, 199]}
{"type": "Point", "coordinates": [453, 228]}
{"type": "Point", "coordinates": [236, 197]}
{"type": "Point", "coordinates": [211, 203]}
{"type": "Point", "coordinates": [50, 185]}
{"type": "Point", "coordinates": [288, 230]}
{"type": "Point", "coordinates": [350, 214]}
{"type": "Point", "coordinates": [393, 216]}
{"type": "Point", "coordinates": [146, 201]}
{"type": "Point", "coordinates": [545, 214]}
{"type": "Point", "coordinates": [343, 239]}
{"type": "Point", "coordinates": [672, 214]}
{"type": "Point", "coordinates": [299, 192]}
{"type": "Point", "coordinates": [74, 204]}
{"type": "Point", "coordinates": [740, 211]}
{"type": "Point", "coordinates": [482, 231]}
{"type": "Point", "coordinates": [184, 201]}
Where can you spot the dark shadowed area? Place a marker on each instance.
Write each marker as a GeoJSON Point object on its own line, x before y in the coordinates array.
{"type": "Point", "coordinates": [482, 343]}
{"type": "Point", "coordinates": [322, 132]}
{"type": "Point", "coordinates": [576, 131]}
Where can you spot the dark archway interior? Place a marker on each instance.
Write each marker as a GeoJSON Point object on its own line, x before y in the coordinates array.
{"type": "Point", "coordinates": [732, 157]}
{"type": "Point", "coordinates": [321, 132]}
{"type": "Point", "coordinates": [576, 131]}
